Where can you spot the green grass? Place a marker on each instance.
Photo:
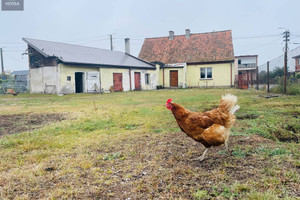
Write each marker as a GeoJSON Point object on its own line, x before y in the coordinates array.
{"type": "Point", "coordinates": [128, 145]}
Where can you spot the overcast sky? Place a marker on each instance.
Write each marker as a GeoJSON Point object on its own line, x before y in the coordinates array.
{"type": "Point", "coordinates": [254, 24]}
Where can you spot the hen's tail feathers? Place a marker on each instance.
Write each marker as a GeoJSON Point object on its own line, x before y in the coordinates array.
{"type": "Point", "coordinates": [228, 103]}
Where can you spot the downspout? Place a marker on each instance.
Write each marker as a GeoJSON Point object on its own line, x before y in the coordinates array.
{"type": "Point", "coordinates": [251, 78]}
{"type": "Point", "coordinates": [230, 74]}
{"type": "Point", "coordinates": [57, 78]}
{"type": "Point", "coordinates": [100, 80]}
{"type": "Point", "coordinates": [248, 79]}
{"type": "Point", "coordinates": [163, 77]}
{"type": "Point", "coordinates": [130, 78]}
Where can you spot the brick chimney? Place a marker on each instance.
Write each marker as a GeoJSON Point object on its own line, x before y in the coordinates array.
{"type": "Point", "coordinates": [187, 33]}
{"type": "Point", "coordinates": [127, 45]}
{"type": "Point", "coordinates": [171, 35]}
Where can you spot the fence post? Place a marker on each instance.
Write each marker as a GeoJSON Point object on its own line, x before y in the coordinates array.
{"type": "Point", "coordinates": [257, 79]}
{"type": "Point", "coordinates": [268, 76]}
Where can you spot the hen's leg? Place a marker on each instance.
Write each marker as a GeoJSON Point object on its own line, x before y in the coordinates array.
{"type": "Point", "coordinates": [226, 146]}
{"type": "Point", "coordinates": [201, 158]}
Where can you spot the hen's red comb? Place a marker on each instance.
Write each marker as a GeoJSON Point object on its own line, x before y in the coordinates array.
{"type": "Point", "coordinates": [169, 100]}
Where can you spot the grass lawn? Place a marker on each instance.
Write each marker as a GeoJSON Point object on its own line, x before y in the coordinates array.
{"type": "Point", "coordinates": [127, 145]}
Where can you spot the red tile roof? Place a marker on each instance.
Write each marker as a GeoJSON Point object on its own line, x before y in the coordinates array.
{"type": "Point", "coordinates": [200, 47]}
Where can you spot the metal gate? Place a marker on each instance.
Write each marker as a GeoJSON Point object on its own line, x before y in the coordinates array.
{"type": "Point", "coordinates": [243, 81]}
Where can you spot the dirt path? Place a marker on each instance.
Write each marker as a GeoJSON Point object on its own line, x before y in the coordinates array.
{"type": "Point", "coordinates": [10, 124]}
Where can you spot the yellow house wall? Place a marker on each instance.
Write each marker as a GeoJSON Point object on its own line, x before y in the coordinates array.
{"type": "Point", "coordinates": [165, 81]}
{"type": "Point", "coordinates": [220, 75]}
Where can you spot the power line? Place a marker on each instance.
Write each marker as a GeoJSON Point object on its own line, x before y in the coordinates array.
{"type": "Point", "coordinates": [15, 59]}
{"type": "Point", "coordinates": [296, 36]}
{"type": "Point", "coordinates": [262, 45]}
{"type": "Point", "coordinates": [14, 50]}
{"type": "Point", "coordinates": [255, 37]}
{"type": "Point", "coordinates": [11, 43]}
{"type": "Point", "coordinates": [91, 37]}
{"type": "Point", "coordinates": [94, 41]}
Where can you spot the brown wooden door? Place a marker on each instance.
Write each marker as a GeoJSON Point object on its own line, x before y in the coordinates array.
{"type": "Point", "coordinates": [137, 80]}
{"type": "Point", "coordinates": [118, 86]}
{"type": "Point", "coordinates": [173, 78]}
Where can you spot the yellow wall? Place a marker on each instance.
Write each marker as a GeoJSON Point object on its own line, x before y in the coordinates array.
{"type": "Point", "coordinates": [69, 70]}
{"type": "Point", "coordinates": [106, 77]}
{"type": "Point", "coordinates": [166, 79]}
{"type": "Point", "coordinates": [220, 75]}
{"type": "Point", "coordinates": [188, 76]}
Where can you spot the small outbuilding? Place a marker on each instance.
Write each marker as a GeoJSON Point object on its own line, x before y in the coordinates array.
{"type": "Point", "coordinates": [61, 68]}
{"type": "Point", "coordinates": [245, 71]}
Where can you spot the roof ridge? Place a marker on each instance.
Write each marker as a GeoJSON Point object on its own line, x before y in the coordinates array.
{"type": "Point", "coordinates": [77, 54]}
{"type": "Point", "coordinates": [72, 44]}
{"type": "Point", "coordinates": [140, 59]}
{"type": "Point", "coordinates": [192, 34]}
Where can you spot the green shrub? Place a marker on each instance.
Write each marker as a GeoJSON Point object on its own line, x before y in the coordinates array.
{"type": "Point", "coordinates": [292, 86]}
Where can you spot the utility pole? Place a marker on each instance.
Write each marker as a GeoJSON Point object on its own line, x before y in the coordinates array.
{"type": "Point", "coordinates": [111, 42]}
{"type": "Point", "coordinates": [2, 66]}
{"type": "Point", "coordinates": [286, 39]}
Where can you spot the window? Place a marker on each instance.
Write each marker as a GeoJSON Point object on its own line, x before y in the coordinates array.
{"type": "Point", "coordinates": [147, 78]}
{"type": "Point", "coordinates": [206, 73]}
{"type": "Point", "coordinates": [239, 62]}
{"type": "Point", "coordinates": [298, 61]}
{"type": "Point", "coordinates": [68, 78]}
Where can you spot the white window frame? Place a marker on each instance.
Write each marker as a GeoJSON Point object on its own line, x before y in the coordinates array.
{"type": "Point", "coordinates": [205, 78]}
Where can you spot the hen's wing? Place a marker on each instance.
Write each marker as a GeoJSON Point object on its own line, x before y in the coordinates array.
{"type": "Point", "coordinates": [201, 120]}
{"type": "Point", "coordinates": [194, 124]}
{"type": "Point", "coordinates": [205, 129]}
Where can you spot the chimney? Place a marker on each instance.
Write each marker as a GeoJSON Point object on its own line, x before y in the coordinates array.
{"type": "Point", "coordinates": [187, 33]}
{"type": "Point", "coordinates": [127, 45]}
{"type": "Point", "coordinates": [171, 35]}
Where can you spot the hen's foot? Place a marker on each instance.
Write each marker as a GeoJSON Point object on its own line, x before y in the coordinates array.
{"type": "Point", "coordinates": [201, 158]}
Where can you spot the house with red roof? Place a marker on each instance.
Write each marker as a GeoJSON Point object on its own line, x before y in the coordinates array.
{"type": "Point", "coordinates": [297, 63]}
{"type": "Point", "coordinates": [192, 59]}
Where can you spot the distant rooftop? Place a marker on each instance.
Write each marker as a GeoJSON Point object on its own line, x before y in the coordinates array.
{"type": "Point", "coordinates": [75, 54]}
{"type": "Point", "coordinates": [191, 48]}
{"type": "Point", "coordinates": [244, 56]}
{"type": "Point", "coordinates": [20, 72]}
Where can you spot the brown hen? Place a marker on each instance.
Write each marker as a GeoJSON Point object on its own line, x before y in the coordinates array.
{"type": "Point", "coordinates": [211, 128]}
